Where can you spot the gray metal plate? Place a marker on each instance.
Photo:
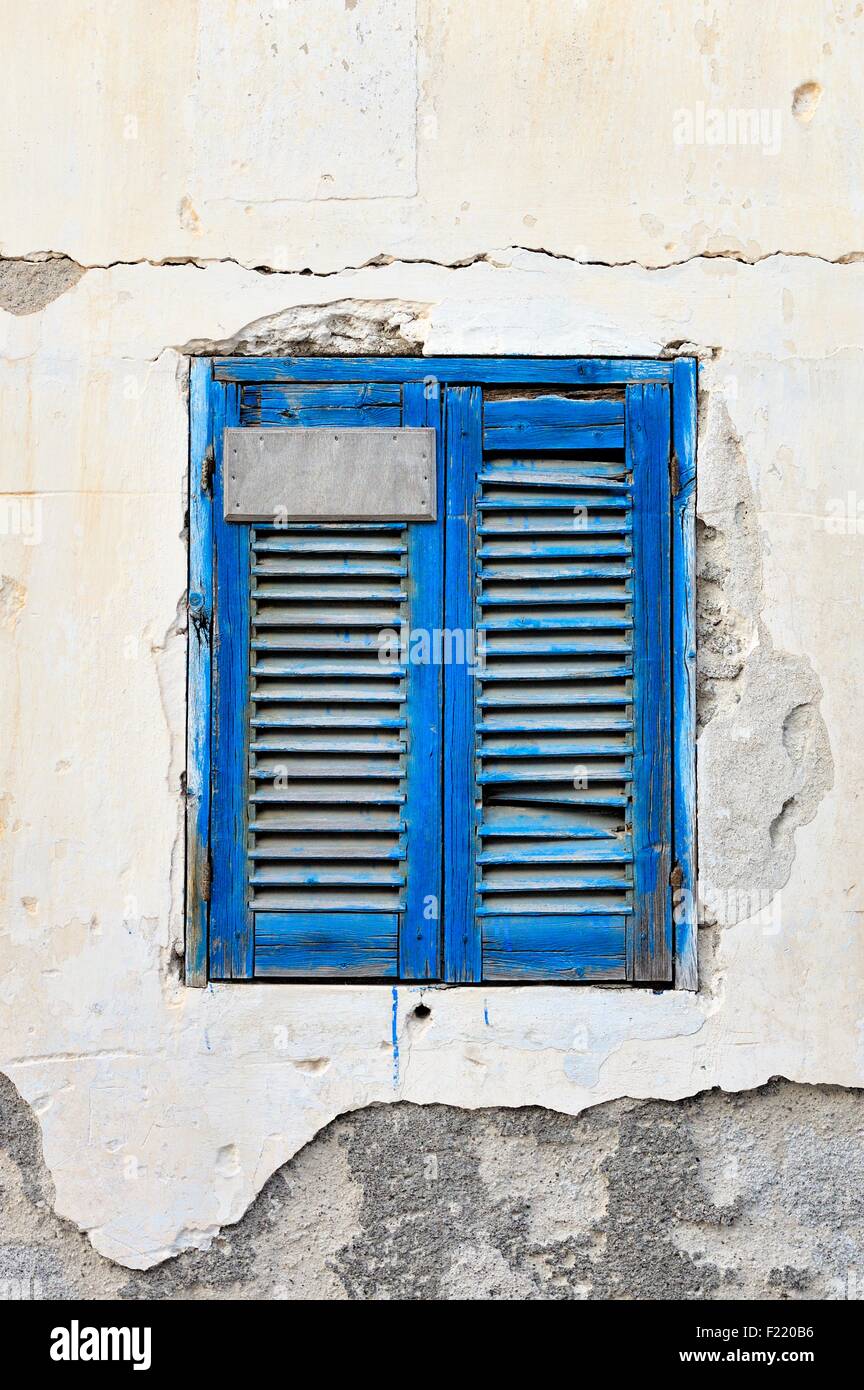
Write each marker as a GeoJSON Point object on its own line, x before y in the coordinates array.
{"type": "Point", "coordinates": [273, 475]}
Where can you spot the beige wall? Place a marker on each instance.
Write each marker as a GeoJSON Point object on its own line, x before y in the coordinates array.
{"type": "Point", "coordinates": [377, 144]}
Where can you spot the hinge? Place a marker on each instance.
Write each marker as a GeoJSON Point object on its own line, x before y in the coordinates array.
{"type": "Point", "coordinates": [205, 880]}
{"type": "Point", "coordinates": [676, 878]}
{"type": "Point", "coordinates": [207, 463]}
{"type": "Point", "coordinates": [674, 474]}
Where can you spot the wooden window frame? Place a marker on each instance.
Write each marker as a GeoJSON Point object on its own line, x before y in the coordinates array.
{"type": "Point", "coordinates": [214, 403]}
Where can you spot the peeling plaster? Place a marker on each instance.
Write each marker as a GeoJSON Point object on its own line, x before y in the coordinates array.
{"type": "Point", "coordinates": [27, 286]}
{"type": "Point", "coordinates": [805, 101]}
{"type": "Point", "coordinates": [755, 1196]}
{"type": "Point", "coordinates": [348, 326]}
{"type": "Point", "coordinates": [758, 710]}
{"type": "Point", "coordinates": [13, 596]}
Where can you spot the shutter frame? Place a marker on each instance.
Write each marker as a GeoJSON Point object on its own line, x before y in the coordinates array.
{"type": "Point", "coordinates": [231, 924]}
{"type": "Point", "coordinates": [275, 385]}
{"type": "Point", "coordinates": [420, 945]}
{"type": "Point", "coordinates": [200, 649]}
{"type": "Point", "coordinates": [553, 562]}
{"type": "Point", "coordinates": [251, 935]}
{"type": "Point", "coordinates": [649, 944]}
{"type": "Point", "coordinates": [463, 443]}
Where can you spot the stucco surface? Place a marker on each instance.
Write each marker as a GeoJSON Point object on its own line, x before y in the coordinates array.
{"type": "Point", "coordinates": [323, 133]}
{"type": "Point", "coordinates": [164, 1110]}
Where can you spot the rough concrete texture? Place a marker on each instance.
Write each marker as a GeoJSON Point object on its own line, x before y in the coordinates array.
{"type": "Point", "coordinates": [26, 286]}
{"type": "Point", "coordinates": [757, 1196]}
{"type": "Point", "coordinates": [344, 328]}
{"type": "Point", "coordinates": [198, 172]}
{"type": "Point", "coordinates": [762, 705]}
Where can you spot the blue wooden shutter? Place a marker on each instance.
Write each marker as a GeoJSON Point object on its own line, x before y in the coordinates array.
{"type": "Point", "coordinates": [538, 755]}
{"type": "Point", "coordinates": [558, 743]}
{"type": "Point", "coordinates": [326, 797]}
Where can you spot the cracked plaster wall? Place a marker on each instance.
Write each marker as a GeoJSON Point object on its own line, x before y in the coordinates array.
{"type": "Point", "coordinates": [430, 128]}
{"type": "Point", "coordinates": [755, 1195]}
{"type": "Point", "coordinates": [163, 1111]}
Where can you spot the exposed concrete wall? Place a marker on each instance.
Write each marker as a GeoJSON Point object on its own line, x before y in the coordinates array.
{"type": "Point", "coordinates": [164, 1111]}
{"type": "Point", "coordinates": [757, 1196]}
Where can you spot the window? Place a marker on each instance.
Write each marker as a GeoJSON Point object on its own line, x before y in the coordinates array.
{"type": "Point", "coordinates": [457, 748]}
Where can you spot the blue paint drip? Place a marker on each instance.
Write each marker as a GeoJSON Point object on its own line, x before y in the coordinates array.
{"type": "Point", "coordinates": [395, 1036]}
{"type": "Point", "coordinates": [486, 1014]}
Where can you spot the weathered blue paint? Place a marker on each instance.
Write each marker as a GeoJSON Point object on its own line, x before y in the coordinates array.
{"type": "Point", "coordinates": [231, 928]}
{"type": "Point", "coordinates": [199, 675]}
{"type": "Point", "coordinates": [527, 371]}
{"type": "Point", "coordinates": [508, 622]}
{"type": "Point", "coordinates": [543, 473]}
{"type": "Point", "coordinates": [536, 775]}
{"type": "Point", "coordinates": [394, 1035]}
{"type": "Point", "coordinates": [322, 417]}
{"type": "Point", "coordinates": [555, 438]}
{"type": "Point", "coordinates": [526, 412]}
{"type": "Point", "coordinates": [648, 447]}
{"type": "Point", "coordinates": [684, 396]}
{"type": "Point", "coordinates": [325, 945]}
{"type": "Point", "coordinates": [530, 853]}
{"type": "Point", "coordinates": [551, 502]}
{"type": "Point", "coordinates": [294, 400]}
{"type": "Point", "coordinates": [462, 943]}
{"type": "Point", "coordinates": [534, 674]}
{"type": "Point", "coordinates": [544, 423]}
{"type": "Point", "coordinates": [550, 550]}
{"type": "Point", "coordinates": [420, 933]}
{"type": "Point", "coordinates": [526, 524]}
{"type": "Point", "coordinates": [554, 948]}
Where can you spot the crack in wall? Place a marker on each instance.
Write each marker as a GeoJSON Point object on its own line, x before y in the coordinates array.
{"type": "Point", "coordinates": [169, 660]}
{"type": "Point", "coordinates": [29, 283]}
